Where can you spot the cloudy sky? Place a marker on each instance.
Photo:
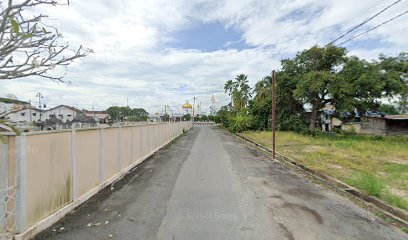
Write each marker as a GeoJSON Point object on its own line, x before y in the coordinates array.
{"type": "Point", "coordinates": [157, 52]}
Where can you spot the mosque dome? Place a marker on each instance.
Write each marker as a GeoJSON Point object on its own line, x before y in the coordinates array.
{"type": "Point", "coordinates": [187, 105]}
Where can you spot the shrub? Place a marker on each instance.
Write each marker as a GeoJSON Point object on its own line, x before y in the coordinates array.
{"type": "Point", "coordinates": [370, 184]}
{"type": "Point", "coordinates": [240, 122]}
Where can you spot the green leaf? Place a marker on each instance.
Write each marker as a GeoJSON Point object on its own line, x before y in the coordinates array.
{"type": "Point", "coordinates": [28, 35]}
{"type": "Point", "coordinates": [14, 24]}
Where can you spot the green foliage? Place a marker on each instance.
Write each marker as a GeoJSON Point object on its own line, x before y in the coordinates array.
{"type": "Point", "coordinates": [240, 122]}
{"type": "Point", "coordinates": [369, 81]}
{"type": "Point", "coordinates": [223, 116]}
{"type": "Point", "coordinates": [370, 184]}
{"type": "Point", "coordinates": [240, 91]}
{"type": "Point", "coordinates": [388, 109]}
{"type": "Point", "coordinates": [395, 200]}
{"type": "Point", "coordinates": [187, 117]}
{"type": "Point", "coordinates": [14, 24]}
{"type": "Point", "coordinates": [8, 126]}
{"type": "Point", "coordinates": [166, 117]}
{"type": "Point", "coordinates": [314, 72]}
{"type": "Point", "coordinates": [134, 115]}
{"type": "Point", "coordinates": [203, 118]}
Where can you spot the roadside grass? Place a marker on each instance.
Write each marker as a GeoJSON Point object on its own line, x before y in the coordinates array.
{"type": "Point", "coordinates": [377, 165]}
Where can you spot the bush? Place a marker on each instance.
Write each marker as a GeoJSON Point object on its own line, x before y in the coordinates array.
{"type": "Point", "coordinates": [296, 123]}
{"type": "Point", "coordinates": [370, 184]}
{"type": "Point", "coordinates": [240, 122]}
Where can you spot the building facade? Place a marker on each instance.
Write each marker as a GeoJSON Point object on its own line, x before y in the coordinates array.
{"type": "Point", "coordinates": [63, 112]}
{"type": "Point", "coordinates": [27, 114]}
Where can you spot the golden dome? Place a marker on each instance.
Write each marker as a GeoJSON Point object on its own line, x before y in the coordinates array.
{"type": "Point", "coordinates": [187, 105]}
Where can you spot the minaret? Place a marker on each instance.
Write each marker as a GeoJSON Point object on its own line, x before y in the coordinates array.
{"type": "Point", "coordinates": [212, 106]}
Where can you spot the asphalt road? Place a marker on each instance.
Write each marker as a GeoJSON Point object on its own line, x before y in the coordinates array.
{"type": "Point", "coordinates": [210, 185]}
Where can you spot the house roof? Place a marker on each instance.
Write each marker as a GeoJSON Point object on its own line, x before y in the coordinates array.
{"type": "Point", "coordinates": [66, 106]}
{"type": "Point", "coordinates": [9, 100]}
{"type": "Point", "coordinates": [25, 108]}
{"type": "Point", "coordinates": [82, 118]}
{"type": "Point", "coordinates": [396, 117]}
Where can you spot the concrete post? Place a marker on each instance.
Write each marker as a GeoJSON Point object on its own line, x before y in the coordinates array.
{"type": "Point", "coordinates": [120, 148]}
{"type": "Point", "coordinates": [102, 156]}
{"type": "Point", "coordinates": [21, 177]}
{"type": "Point", "coordinates": [132, 145]}
{"type": "Point", "coordinates": [74, 166]}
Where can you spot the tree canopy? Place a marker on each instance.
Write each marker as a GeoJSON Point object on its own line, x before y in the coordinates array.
{"type": "Point", "coordinates": [316, 77]}
{"type": "Point", "coordinates": [122, 113]}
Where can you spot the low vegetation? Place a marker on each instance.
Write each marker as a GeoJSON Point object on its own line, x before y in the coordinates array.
{"type": "Point", "coordinates": [374, 164]}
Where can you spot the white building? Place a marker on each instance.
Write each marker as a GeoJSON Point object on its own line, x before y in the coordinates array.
{"type": "Point", "coordinates": [62, 112]}
{"type": "Point", "coordinates": [8, 105]}
{"type": "Point", "coordinates": [24, 115]}
{"type": "Point", "coordinates": [99, 116]}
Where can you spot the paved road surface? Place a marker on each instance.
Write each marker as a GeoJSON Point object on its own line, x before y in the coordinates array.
{"type": "Point", "coordinates": [210, 185]}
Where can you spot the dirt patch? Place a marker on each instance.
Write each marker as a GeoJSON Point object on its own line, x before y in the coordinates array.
{"type": "Point", "coordinates": [398, 192]}
{"type": "Point", "coordinates": [399, 161]}
{"type": "Point", "coordinates": [313, 148]}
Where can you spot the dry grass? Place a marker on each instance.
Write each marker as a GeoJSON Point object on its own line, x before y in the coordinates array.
{"type": "Point", "coordinates": [377, 165]}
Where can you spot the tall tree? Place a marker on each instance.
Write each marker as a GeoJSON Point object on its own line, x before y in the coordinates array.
{"type": "Point", "coordinates": [31, 47]}
{"type": "Point", "coordinates": [239, 91]}
{"type": "Point", "coordinates": [261, 105]}
{"type": "Point", "coordinates": [369, 82]}
{"type": "Point", "coordinates": [316, 76]}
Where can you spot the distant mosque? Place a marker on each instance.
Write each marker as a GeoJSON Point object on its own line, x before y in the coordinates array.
{"type": "Point", "coordinates": [213, 111]}
{"type": "Point", "coordinates": [187, 108]}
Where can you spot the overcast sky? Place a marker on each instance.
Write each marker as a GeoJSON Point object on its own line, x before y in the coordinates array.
{"type": "Point", "coordinates": [158, 52]}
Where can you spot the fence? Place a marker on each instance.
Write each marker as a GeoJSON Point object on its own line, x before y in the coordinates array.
{"type": "Point", "coordinates": [45, 175]}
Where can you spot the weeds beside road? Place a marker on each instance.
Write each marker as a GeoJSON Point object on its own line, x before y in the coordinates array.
{"type": "Point", "coordinates": [377, 165]}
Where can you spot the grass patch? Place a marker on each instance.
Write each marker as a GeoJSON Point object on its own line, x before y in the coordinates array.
{"type": "Point", "coordinates": [376, 165]}
{"type": "Point", "coordinates": [368, 183]}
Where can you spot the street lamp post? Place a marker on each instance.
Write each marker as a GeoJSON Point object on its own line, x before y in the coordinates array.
{"type": "Point", "coordinates": [39, 95]}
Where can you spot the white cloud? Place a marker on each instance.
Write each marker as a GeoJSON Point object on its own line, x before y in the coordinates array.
{"type": "Point", "coordinates": [132, 58]}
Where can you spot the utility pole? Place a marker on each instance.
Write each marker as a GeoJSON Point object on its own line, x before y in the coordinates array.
{"type": "Point", "coordinates": [31, 115]}
{"type": "Point", "coordinates": [39, 95]}
{"type": "Point", "coordinates": [194, 98]}
{"type": "Point", "coordinates": [273, 113]}
{"type": "Point", "coordinates": [230, 118]}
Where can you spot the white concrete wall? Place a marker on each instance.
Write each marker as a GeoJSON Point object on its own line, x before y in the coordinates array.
{"type": "Point", "coordinates": [62, 112]}
{"type": "Point", "coordinates": [24, 116]}
{"type": "Point", "coordinates": [57, 171]}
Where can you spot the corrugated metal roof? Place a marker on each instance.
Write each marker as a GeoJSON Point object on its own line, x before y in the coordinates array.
{"type": "Point", "coordinates": [396, 117]}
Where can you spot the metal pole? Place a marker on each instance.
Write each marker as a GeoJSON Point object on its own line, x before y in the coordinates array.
{"type": "Point", "coordinates": [273, 112]}
{"type": "Point", "coordinates": [230, 122]}
{"type": "Point", "coordinates": [194, 98]}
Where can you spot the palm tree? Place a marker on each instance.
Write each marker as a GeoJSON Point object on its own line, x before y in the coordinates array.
{"type": "Point", "coordinates": [262, 88]}
{"type": "Point", "coordinates": [239, 91]}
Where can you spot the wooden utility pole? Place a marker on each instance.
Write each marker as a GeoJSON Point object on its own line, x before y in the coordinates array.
{"type": "Point", "coordinates": [273, 112]}
{"type": "Point", "coordinates": [230, 119]}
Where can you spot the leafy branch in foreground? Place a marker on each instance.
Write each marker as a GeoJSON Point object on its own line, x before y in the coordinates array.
{"type": "Point", "coordinates": [9, 127]}
{"type": "Point", "coordinates": [29, 46]}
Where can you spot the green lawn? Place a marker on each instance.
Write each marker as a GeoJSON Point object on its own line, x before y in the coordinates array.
{"type": "Point", "coordinates": [377, 165]}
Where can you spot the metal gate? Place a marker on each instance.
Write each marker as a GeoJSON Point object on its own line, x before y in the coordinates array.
{"type": "Point", "coordinates": [7, 213]}
{"type": "Point", "coordinates": [7, 197]}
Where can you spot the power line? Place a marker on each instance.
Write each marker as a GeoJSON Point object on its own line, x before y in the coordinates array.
{"type": "Point", "coordinates": [364, 22]}
{"type": "Point", "coordinates": [373, 28]}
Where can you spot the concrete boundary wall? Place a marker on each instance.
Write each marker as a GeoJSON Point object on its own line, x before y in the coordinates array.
{"type": "Point", "coordinates": [57, 171]}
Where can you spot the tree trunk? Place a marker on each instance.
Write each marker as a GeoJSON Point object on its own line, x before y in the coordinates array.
{"type": "Point", "coordinates": [313, 118]}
